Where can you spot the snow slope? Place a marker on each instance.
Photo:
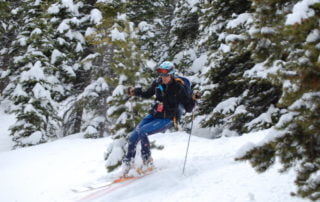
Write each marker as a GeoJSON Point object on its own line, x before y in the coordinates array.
{"type": "Point", "coordinates": [48, 172]}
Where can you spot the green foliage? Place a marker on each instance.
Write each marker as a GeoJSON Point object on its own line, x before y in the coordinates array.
{"type": "Point", "coordinates": [296, 139]}
{"type": "Point", "coordinates": [259, 72]}
{"type": "Point", "coordinates": [261, 159]}
{"type": "Point", "coordinates": [254, 97]}
{"type": "Point", "coordinates": [37, 118]}
{"type": "Point", "coordinates": [126, 64]}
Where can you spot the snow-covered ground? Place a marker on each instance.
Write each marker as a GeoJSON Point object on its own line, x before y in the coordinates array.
{"type": "Point", "coordinates": [5, 122]}
{"type": "Point", "coordinates": [49, 171]}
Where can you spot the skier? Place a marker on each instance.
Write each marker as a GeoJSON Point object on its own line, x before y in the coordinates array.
{"type": "Point", "coordinates": [169, 95]}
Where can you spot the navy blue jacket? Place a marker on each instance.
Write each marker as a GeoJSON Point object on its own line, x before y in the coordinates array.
{"type": "Point", "coordinates": [170, 95]}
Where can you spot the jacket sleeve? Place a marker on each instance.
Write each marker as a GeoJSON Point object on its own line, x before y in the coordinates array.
{"type": "Point", "coordinates": [186, 99]}
{"type": "Point", "coordinates": [148, 93]}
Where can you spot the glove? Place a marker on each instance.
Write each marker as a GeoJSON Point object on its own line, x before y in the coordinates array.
{"type": "Point", "coordinates": [130, 91]}
{"type": "Point", "coordinates": [196, 96]}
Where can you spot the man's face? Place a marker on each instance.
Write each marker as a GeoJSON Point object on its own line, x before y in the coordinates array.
{"type": "Point", "coordinates": [166, 79]}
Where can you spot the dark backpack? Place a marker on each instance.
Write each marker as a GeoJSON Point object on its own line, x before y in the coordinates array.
{"type": "Point", "coordinates": [187, 87]}
{"type": "Point", "coordinates": [186, 84]}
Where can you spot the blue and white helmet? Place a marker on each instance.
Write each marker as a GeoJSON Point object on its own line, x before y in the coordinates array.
{"type": "Point", "coordinates": [166, 68]}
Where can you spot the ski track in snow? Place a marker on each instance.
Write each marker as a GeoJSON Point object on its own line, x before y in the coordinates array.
{"type": "Point", "coordinates": [49, 171]}
{"type": "Point", "coordinates": [211, 174]}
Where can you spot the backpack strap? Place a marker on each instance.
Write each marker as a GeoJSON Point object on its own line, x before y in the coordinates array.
{"type": "Point", "coordinates": [179, 80]}
{"type": "Point", "coordinates": [175, 120]}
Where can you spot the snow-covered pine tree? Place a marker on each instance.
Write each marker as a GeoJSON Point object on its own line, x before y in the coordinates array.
{"type": "Point", "coordinates": [154, 23]}
{"type": "Point", "coordinates": [31, 78]}
{"type": "Point", "coordinates": [184, 30]}
{"type": "Point", "coordinates": [233, 103]}
{"type": "Point", "coordinates": [7, 35]}
{"type": "Point", "coordinates": [73, 57]}
{"type": "Point", "coordinates": [294, 33]}
{"type": "Point", "coordinates": [119, 35]}
{"type": "Point", "coordinates": [94, 98]}
{"type": "Point", "coordinates": [181, 42]}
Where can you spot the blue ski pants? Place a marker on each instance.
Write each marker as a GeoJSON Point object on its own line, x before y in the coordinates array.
{"type": "Point", "coordinates": [148, 126]}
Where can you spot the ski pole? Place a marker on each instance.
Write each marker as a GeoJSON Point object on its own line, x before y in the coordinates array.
{"type": "Point", "coordinates": [196, 96]}
{"type": "Point", "coordinates": [185, 159]}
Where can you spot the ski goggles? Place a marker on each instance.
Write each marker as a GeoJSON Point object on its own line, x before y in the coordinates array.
{"type": "Point", "coordinates": [165, 72]}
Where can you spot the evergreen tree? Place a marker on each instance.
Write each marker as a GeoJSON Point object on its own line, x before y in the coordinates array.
{"type": "Point", "coordinates": [237, 102]}
{"type": "Point", "coordinates": [73, 23]}
{"type": "Point", "coordinates": [31, 79]}
{"type": "Point", "coordinates": [7, 35]}
{"type": "Point", "coordinates": [126, 62]}
{"type": "Point", "coordinates": [11, 19]}
{"type": "Point", "coordinates": [154, 22]}
{"type": "Point", "coordinates": [94, 98]}
{"type": "Point", "coordinates": [183, 34]}
{"type": "Point", "coordinates": [295, 56]}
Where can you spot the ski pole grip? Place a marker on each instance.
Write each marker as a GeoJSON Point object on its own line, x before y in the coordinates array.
{"type": "Point", "coordinates": [196, 96]}
{"type": "Point", "coordinates": [130, 91]}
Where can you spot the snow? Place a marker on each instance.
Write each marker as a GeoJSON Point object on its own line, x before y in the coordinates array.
{"type": "Point", "coordinates": [18, 91]}
{"type": "Point", "coordinates": [61, 41]}
{"type": "Point", "coordinates": [105, 1]}
{"type": "Point", "coordinates": [79, 47]}
{"type": "Point", "coordinates": [199, 63]}
{"type": "Point", "coordinates": [63, 26]}
{"type": "Point", "coordinates": [306, 102]}
{"type": "Point", "coordinates": [90, 130]}
{"type": "Point", "coordinates": [36, 31]}
{"type": "Point", "coordinates": [48, 172]}
{"type": "Point", "coordinates": [37, 2]}
{"type": "Point", "coordinates": [71, 6]}
{"type": "Point", "coordinates": [15, 11]}
{"type": "Point", "coordinates": [190, 54]}
{"type": "Point", "coordinates": [22, 40]}
{"type": "Point", "coordinates": [227, 106]}
{"type": "Point", "coordinates": [90, 31]}
{"type": "Point", "coordinates": [34, 73]}
{"type": "Point", "coordinates": [151, 64]}
{"type": "Point", "coordinates": [40, 92]}
{"type": "Point", "coordinates": [5, 140]}
{"type": "Point", "coordinates": [263, 118]}
{"type": "Point", "coordinates": [69, 70]}
{"type": "Point", "coordinates": [117, 36]}
{"type": "Point", "coordinates": [286, 118]}
{"type": "Point", "coordinates": [34, 138]}
{"type": "Point", "coordinates": [268, 30]}
{"type": "Point", "coordinates": [115, 152]}
{"type": "Point", "coordinates": [260, 70]}
{"type": "Point", "coordinates": [93, 90]}
{"type": "Point", "coordinates": [235, 37]}
{"type": "Point", "coordinates": [143, 26]}
{"type": "Point", "coordinates": [119, 90]}
{"type": "Point", "coordinates": [244, 18]}
{"type": "Point", "coordinates": [301, 11]}
{"type": "Point", "coordinates": [76, 35]}
{"type": "Point", "coordinates": [29, 108]}
{"type": "Point", "coordinates": [224, 48]}
{"type": "Point", "coordinates": [313, 36]}
{"type": "Point", "coordinates": [96, 16]}
{"type": "Point", "coordinates": [56, 54]}
{"type": "Point", "coordinates": [54, 9]}
{"type": "Point", "coordinates": [192, 3]}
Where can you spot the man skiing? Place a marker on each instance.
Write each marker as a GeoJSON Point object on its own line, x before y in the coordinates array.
{"type": "Point", "coordinates": [169, 95]}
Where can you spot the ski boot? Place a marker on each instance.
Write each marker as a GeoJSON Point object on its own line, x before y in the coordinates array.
{"type": "Point", "coordinates": [126, 167]}
{"type": "Point", "coordinates": [146, 167]}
